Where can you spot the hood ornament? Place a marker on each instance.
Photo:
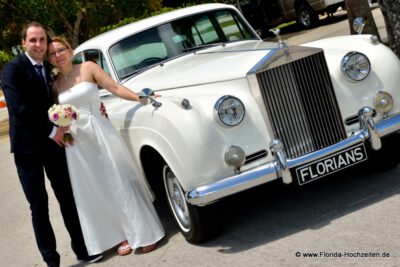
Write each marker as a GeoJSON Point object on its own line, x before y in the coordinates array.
{"type": "Point", "coordinates": [278, 36]}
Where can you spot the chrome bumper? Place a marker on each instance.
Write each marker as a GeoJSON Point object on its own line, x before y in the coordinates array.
{"type": "Point", "coordinates": [279, 167]}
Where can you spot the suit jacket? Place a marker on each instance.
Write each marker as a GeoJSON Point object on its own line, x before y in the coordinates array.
{"type": "Point", "coordinates": [28, 100]}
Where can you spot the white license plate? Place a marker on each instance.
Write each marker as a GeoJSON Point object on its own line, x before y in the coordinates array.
{"type": "Point", "coordinates": [330, 164]}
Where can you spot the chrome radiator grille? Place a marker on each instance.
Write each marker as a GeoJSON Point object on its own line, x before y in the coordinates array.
{"type": "Point", "coordinates": [301, 105]}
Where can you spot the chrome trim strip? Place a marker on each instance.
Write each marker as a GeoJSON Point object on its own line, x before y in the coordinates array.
{"type": "Point", "coordinates": [263, 61]}
{"type": "Point", "coordinates": [209, 193]}
{"type": "Point", "coordinates": [278, 57]}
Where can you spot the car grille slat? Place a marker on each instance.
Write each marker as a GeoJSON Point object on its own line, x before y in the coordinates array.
{"type": "Point", "coordinates": [301, 105]}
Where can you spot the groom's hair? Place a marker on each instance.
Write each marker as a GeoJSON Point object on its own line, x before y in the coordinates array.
{"type": "Point", "coordinates": [34, 24]}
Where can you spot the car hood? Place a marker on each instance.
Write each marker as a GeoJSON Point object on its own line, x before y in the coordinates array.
{"type": "Point", "coordinates": [216, 64]}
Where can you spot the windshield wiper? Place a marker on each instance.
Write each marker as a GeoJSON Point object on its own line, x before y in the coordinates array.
{"type": "Point", "coordinates": [201, 46]}
{"type": "Point", "coordinates": [130, 74]}
{"type": "Point", "coordinates": [139, 71]}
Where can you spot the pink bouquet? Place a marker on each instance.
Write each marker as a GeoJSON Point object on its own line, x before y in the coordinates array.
{"type": "Point", "coordinates": [63, 116]}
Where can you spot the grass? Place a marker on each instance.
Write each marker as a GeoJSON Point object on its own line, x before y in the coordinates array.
{"type": "Point", "coordinates": [283, 25]}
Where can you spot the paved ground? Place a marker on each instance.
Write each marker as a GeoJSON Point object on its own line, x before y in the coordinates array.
{"type": "Point", "coordinates": [351, 219]}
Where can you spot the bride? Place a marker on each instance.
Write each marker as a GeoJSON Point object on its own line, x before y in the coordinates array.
{"type": "Point", "coordinates": [112, 206]}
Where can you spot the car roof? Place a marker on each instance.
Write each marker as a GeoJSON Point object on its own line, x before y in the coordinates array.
{"type": "Point", "coordinates": [105, 40]}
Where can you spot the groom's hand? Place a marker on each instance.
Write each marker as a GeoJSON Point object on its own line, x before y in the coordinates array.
{"type": "Point", "coordinates": [59, 137]}
{"type": "Point", "coordinates": [103, 110]}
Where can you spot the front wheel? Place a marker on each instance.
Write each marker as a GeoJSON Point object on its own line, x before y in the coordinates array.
{"type": "Point", "coordinates": [197, 224]}
{"type": "Point", "coordinates": [306, 16]}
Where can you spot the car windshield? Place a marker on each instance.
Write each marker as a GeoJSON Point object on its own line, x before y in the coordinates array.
{"type": "Point", "coordinates": [145, 49]}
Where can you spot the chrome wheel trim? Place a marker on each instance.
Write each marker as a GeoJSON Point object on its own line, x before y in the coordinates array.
{"type": "Point", "coordinates": [176, 199]}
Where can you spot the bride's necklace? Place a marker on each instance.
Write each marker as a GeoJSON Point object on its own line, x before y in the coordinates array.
{"type": "Point", "coordinates": [66, 76]}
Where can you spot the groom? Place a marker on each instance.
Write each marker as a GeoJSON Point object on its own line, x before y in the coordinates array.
{"type": "Point", "coordinates": [37, 144]}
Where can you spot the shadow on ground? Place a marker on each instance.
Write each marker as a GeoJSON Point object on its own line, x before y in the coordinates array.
{"type": "Point", "coordinates": [274, 211]}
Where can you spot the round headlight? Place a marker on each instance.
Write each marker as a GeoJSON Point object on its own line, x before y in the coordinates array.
{"type": "Point", "coordinates": [229, 111]}
{"type": "Point", "coordinates": [356, 66]}
{"type": "Point", "coordinates": [383, 102]}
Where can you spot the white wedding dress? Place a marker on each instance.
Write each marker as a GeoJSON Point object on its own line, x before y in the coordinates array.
{"type": "Point", "coordinates": [111, 203]}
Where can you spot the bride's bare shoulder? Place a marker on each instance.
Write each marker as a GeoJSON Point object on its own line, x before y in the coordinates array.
{"type": "Point", "coordinates": [89, 65]}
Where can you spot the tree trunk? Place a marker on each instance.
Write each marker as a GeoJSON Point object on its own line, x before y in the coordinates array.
{"type": "Point", "coordinates": [391, 14]}
{"type": "Point", "coordinates": [77, 27]}
{"type": "Point", "coordinates": [360, 8]}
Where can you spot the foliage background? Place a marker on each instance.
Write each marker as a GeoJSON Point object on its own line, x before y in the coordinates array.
{"type": "Point", "coordinates": [79, 20]}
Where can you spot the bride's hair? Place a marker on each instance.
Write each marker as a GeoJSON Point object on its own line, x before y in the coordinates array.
{"type": "Point", "coordinates": [61, 40]}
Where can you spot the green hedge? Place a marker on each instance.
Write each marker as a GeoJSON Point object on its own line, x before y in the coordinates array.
{"type": "Point", "coordinates": [4, 58]}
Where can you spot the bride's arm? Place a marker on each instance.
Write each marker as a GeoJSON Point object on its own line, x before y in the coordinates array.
{"type": "Point", "coordinates": [98, 76]}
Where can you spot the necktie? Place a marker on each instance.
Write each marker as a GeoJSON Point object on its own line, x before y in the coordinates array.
{"type": "Point", "coordinates": [41, 77]}
{"type": "Point", "coordinates": [40, 73]}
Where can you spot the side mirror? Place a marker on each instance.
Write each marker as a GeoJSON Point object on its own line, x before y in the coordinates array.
{"type": "Point", "coordinates": [146, 96]}
{"type": "Point", "coordinates": [358, 25]}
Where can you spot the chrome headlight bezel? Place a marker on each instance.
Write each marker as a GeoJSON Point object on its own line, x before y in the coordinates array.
{"type": "Point", "coordinates": [356, 66]}
{"type": "Point", "coordinates": [229, 111]}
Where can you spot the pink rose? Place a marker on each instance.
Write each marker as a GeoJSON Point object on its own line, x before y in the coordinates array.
{"type": "Point", "coordinates": [55, 116]}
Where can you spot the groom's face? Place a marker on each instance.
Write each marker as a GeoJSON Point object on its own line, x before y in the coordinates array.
{"type": "Point", "coordinates": [35, 43]}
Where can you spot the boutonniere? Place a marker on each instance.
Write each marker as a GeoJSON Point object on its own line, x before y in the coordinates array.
{"type": "Point", "coordinates": [54, 72]}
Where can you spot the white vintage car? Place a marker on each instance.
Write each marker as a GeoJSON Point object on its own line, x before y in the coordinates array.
{"type": "Point", "coordinates": [236, 112]}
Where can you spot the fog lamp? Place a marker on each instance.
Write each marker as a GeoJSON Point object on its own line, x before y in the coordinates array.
{"type": "Point", "coordinates": [235, 156]}
{"type": "Point", "coordinates": [383, 102]}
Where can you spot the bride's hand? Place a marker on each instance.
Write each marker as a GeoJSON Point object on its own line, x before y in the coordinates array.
{"type": "Point", "coordinates": [147, 100]}
{"type": "Point", "coordinates": [64, 129]}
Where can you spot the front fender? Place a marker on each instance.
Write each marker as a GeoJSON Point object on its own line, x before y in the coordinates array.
{"type": "Point", "coordinates": [184, 138]}
{"type": "Point", "coordinates": [384, 75]}
{"type": "Point", "coordinates": [190, 140]}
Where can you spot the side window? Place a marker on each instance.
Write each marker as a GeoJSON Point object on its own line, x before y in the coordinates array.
{"type": "Point", "coordinates": [230, 26]}
{"type": "Point", "coordinates": [97, 57]}
{"type": "Point", "coordinates": [78, 58]}
{"type": "Point", "coordinates": [220, 26]}
{"type": "Point", "coordinates": [204, 32]}
{"type": "Point", "coordinates": [92, 55]}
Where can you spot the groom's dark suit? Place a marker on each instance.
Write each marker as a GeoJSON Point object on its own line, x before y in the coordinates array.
{"type": "Point", "coordinates": [28, 99]}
